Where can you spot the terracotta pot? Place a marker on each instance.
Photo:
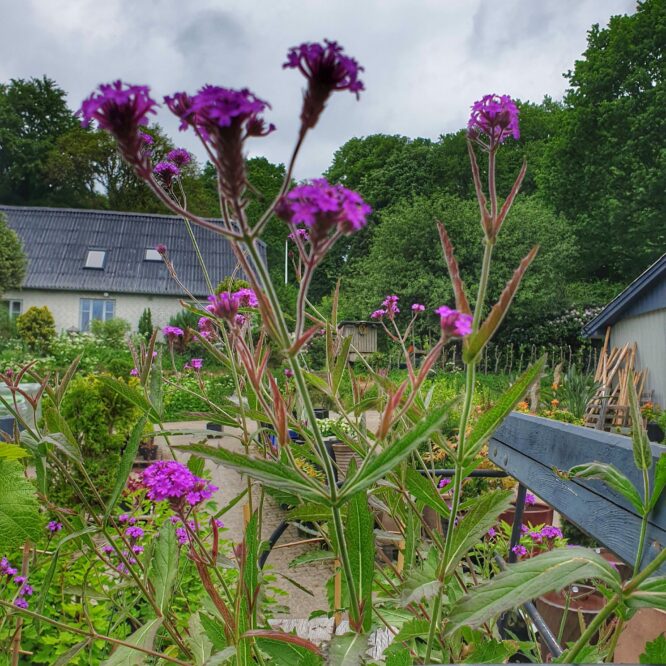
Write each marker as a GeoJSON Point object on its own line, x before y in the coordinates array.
{"type": "Point", "coordinates": [535, 514]}
{"type": "Point", "coordinates": [622, 567]}
{"type": "Point", "coordinates": [583, 600]}
{"type": "Point", "coordinates": [342, 454]}
{"type": "Point", "coordinates": [645, 626]}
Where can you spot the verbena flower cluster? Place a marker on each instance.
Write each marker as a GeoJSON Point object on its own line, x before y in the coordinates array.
{"type": "Point", "coordinates": [23, 588]}
{"type": "Point", "coordinates": [172, 332]}
{"type": "Point", "coordinates": [496, 117]}
{"type": "Point", "coordinates": [454, 324]}
{"type": "Point", "coordinates": [323, 208]}
{"type": "Point", "coordinates": [173, 481]}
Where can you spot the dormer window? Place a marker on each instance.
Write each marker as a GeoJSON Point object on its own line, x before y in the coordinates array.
{"type": "Point", "coordinates": [152, 255]}
{"type": "Point", "coordinates": [96, 259]}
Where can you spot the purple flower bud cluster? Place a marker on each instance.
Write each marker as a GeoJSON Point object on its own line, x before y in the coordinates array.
{"type": "Point", "coordinates": [172, 332]}
{"type": "Point", "coordinates": [519, 549]}
{"type": "Point", "coordinates": [54, 526]}
{"type": "Point", "coordinates": [443, 482]}
{"type": "Point", "coordinates": [389, 308]}
{"type": "Point", "coordinates": [496, 117]}
{"type": "Point", "coordinates": [166, 173]}
{"type": "Point", "coordinates": [24, 588]}
{"type": "Point", "coordinates": [323, 207]}
{"type": "Point", "coordinates": [454, 324]}
{"type": "Point", "coordinates": [327, 68]}
{"type": "Point", "coordinates": [173, 481]}
{"type": "Point", "coordinates": [417, 307]}
{"type": "Point", "coordinates": [299, 233]}
{"type": "Point", "coordinates": [194, 364]}
{"type": "Point", "coordinates": [530, 500]}
{"type": "Point", "coordinates": [226, 305]}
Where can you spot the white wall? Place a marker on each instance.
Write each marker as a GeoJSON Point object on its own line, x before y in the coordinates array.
{"type": "Point", "coordinates": [65, 306]}
{"type": "Point", "coordinates": [648, 331]}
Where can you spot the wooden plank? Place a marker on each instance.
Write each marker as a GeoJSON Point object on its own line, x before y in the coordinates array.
{"type": "Point", "coordinates": [529, 447]}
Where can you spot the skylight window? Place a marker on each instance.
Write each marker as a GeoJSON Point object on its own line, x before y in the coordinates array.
{"type": "Point", "coordinates": [96, 259]}
{"type": "Point", "coordinates": [152, 255]}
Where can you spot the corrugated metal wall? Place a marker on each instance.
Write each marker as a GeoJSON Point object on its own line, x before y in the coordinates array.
{"type": "Point", "coordinates": [364, 337]}
{"type": "Point", "coordinates": [648, 331]}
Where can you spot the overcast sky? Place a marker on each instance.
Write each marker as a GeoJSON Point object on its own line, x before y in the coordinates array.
{"type": "Point", "coordinates": [425, 61]}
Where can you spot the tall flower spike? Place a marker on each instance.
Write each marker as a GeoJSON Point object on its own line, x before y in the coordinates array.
{"type": "Point", "coordinates": [122, 109]}
{"type": "Point", "coordinates": [223, 118]}
{"type": "Point", "coordinates": [496, 117]}
{"type": "Point", "coordinates": [327, 69]}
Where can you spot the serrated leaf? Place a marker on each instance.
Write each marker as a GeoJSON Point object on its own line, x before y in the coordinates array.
{"type": "Point", "coordinates": [490, 651]}
{"type": "Point", "coordinates": [651, 593]}
{"type": "Point", "coordinates": [639, 438]}
{"type": "Point", "coordinates": [310, 513]}
{"type": "Point", "coordinates": [476, 523]}
{"type": "Point", "coordinates": [144, 637]}
{"type": "Point", "coordinates": [214, 631]}
{"type": "Point", "coordinates": [655, 651]}
{"type": "Point", "coordinates": [164, 565]}
{"type": "Point", "coordinates": [272, 474]}
{"type": "Point", "coordinates": [426, 491]}
{"type": "Point", "coordinates": [20, 520]}
{"type": "Point", "coordinates": [613, 478]}
{"type": "Point", "coordinates": [311, 556]}
{"type": "Point", "coordinates": [197, 641]}
{"type": "Point", "coordinates": [490, 420]}
{"type": "Point", "coordinates": [196, 465]}
{"type": "Point", "coordinates": [285, 648]}
{"type": "Point", "coordinates": [348, 649]}
{"type": "Point", "coordinates": [413, 629]}
{"type": "Point", "coordinates": [10, 451]}
{"type": "Point", "coordinates": [526, 580]}
{"type": "Point", "coordinates": [398, 657]}
{"type": "Point", "coordinates": [377, 467]}
{"type": "Point", "coordinates": [125, 466]}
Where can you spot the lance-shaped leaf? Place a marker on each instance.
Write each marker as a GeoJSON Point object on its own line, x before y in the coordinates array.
{"type": "Point", "coordinates": [143, 637]}
{"type": "Point", "coordinates": [462, 304]}
{"type": "Point", "coordinates": [282, 645]}
{"type": "Point", "coordinates": [164, 565]}
{"type": "Point", "coordinates": [198, 642]}
{"type": "Point", "coordinates": [659, 480]}
{"type": "Point", "coordinates": [476, 523]}
{"type": "Point", "coordinates": [639, 438]}
{"type": "Point", "coordinates": [486, 220]}
{"type": "Point", "coordinates": [613, 477]}
{"type": "Point", "coordinates": [133, 396]}
{"type": "Point", "coordinates": [506, 207]}
{"type": "Point", "coordinates": [651, 593]}
{"type": "Point", "coordinates": [424, 490]}
{"type": "Point", "coordinates": [360, 539]}
{"type": "Point", "coordinates": [20, 519]}
{"type": "Point", "coordinates": [312, 556]}
{"type": "Point", "coordinates": [303, 340]}
{"type": "Point", "coordinates": [489, 421]}
{"type": "Point", "coordinates": [477, 341]}
{"type": "Point", "coordinates": [375, 467]}
{"type": "Point", "coordinates": [526, 580]}
{"type": "Point", "coordinates": [271, 473]}
{"type": "Point", "coordinates": [340, 364]}
{"type": "Point", "coordinates": [348, 650]}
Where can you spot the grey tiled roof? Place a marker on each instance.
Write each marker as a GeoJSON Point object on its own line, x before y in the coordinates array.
{"type": "Point", "coordinates": [56, 242]}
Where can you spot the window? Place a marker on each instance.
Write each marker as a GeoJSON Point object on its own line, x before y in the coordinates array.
{"type": "Point", "coordinates": [152, 255]}
{"type": "Point", "coordinates": [14, 308]}
{"type": "Point", "coordinates": [96, 309]}
{"type": "Point", "coordinates": [96, 259]}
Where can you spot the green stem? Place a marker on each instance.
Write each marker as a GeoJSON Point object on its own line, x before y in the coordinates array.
{"type": "Point", "coordinates": [644, 522]}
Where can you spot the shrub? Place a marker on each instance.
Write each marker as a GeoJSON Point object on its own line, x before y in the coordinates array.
{"type": "Point", "coordinates": [178, 400]}
{"type": "Point", "coordinates": [231, 284]}
{"type": "Point", "coordinates": [36, 327]}
{"type": "Point", "coordinates": [145, 326]}
{"type": "Point", "coordinates": [110, 333]}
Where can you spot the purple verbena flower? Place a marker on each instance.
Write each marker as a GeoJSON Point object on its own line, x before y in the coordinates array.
{"type": "Point", "coordinates": [551, 532]}
{"type": "Point", "coordinates": [391, 308]}
{"type": "Point", "coordinates": [417, 307]}
{"type": "Point", "coordinates": [536, 536]}
{"type": "Point", "coordinates": [327, 68]}
{"type": "Point", "coordinates": [172, 332]}
{"type": "Point", "coordinates": [206, 327]}
{"type": "Point", "coordinates": [20, 602]}
{"type": "Point", "coordinates": [6, 569]}
{"type": "Point", "coordinates": [134, 532]}
{"type": "Point", "coordinates": [161, 248]}
{"type": "Point", "coordinates": [288, 373]}
{"type": "Point", "coordinates": [524, 529]}
{"type": "Point", "coordinates": [530, 500]}
{"type": "Point", "coordinates": [299, 233]}
{"type": "Point", "coordinates": [194, 364]}
{"type": "Point", "coordinates": [443, 483]}
{"type": "Point", "coordinates": [136, 549]}
{"type": "Point", "coordinates": [496, 117]}
{"type": "Point", "coordinates": [322, 208]}
{"type": "Point", "coordinates": [26, 590]}
{"type": "Point", "coordinates": [492, 532]}
{"type": "Point", "coordinates": [173, 481]}
{"type": "Point", "coordinates": [134, 372]}
{"type": "Point", "coordinates": [247, 298]}
{"type": "Point", "coordinates": [54, 526]}
{"type": "Point", "coordinates": [519, 549]}
{"type": "Point", "coordinates": [223, 305]}
{"type": "Point", "coordinates": [454, 324]}
{"type": "Point", "coordinates": [166, 173]}
{"type": "Point", "coordinates": [179, 156]}
{"type": "Point", "coordinates": [181, 535]}
{"type": "Point", "coordinates": [378, 314]}
{"type": "Point", "coordinates": [18, 580]}
{"type": "Point", "coordinates": [146, 139]}
{"type": "Point", "coordinates": [107, 549]}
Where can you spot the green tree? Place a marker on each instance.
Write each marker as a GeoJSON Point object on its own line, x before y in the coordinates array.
{"type": "Point", "coordinates": [145, 326]}
{"type": "Point", "coordinates": [33, 115]}
{"type": "Point", "coordinates": [36, 327]}
{"type": "Point", "coordinates": [12, 258]}
{"type": "Point", "coordinates": [607, 166]}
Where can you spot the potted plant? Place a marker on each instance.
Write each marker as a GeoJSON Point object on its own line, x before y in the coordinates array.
{"type": "Point", "coordinates": [534, 512]}
{"type": "Point", "coordinates": [655, 421]}
{"type": "Point", "coordinates": [341, 452]}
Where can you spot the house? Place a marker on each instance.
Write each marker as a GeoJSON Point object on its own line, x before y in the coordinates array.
{"type": "Point", "coordinates": [638, 314]}
{"type": "Point", "coordinates": [91, 264]}
{"type": "Point", "coordinates": [363, 335]}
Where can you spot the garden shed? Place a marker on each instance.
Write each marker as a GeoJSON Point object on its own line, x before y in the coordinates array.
{"type": "Point", "coordinates": [364, 336]}
{"type": "Point", "coordinates": [638, 315]}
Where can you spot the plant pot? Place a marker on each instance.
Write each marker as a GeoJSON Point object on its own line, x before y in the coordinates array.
{"type": "Point", "coordinates": [321, 412]}
{"type": "Point", "coordinates": [645, 626]}
{"type": "Point", "coordinates": [583, 600]}
{"type": "Point", "coordinates": [655, 432]}
{"type": "Point", "coordinates": [215, 427]}
{"type": "Point", "coordinates": [148, 450]}
{"type": "Point", "coordinates": [622, 567]}
{"type": "Point", "coordinates": [342, 455]}
{"type": "Point", "coordinates": [535, 514]}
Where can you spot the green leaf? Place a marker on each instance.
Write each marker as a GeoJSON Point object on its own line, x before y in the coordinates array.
{"type": "Point", "coordinates": [164, 566]}
{"type": "Point", "coordinates": [132, 395]}
{"type": "Point", "coordinates": [317, 382]}
{"type": "Point", "coordinates": [311, 513]}
{"type": "Point", "coordinates": [348, 649]}
{"type": "Point", "coordinates": [655, 651]}
{"type": "Point", "coordinates": [214, 631]}
{"type": "Point", "coordinates": [197, 641]}
{"type": "Point", "coordinates": [426, 491]}
{"type": "Point", "coordinates": [526, 580]}
{"type": "Point", "coordinates": [144, 637]}
{"type": "Point", "coordinates": [659, 480]}
{"type": "Point", "coordinates": [492, 652]}
{"type": "Point", "coordinates": [222, 657]}
{"type": "Point", "coordinates": [412, 629]}
{"type": "Point", "coordinates": [286, 649]}
{"type": "Point", "coordinates": [126, 463]}
{"type": "Point", "coordinates": [399, 657]}
{"type": "Point", "coordinates": [311, 556]}
{"type": "Point", "coordinates": [360, 540]}
{"type": "Point", "coordinates": [476, 523]}
{"type": "Point", "coordinates": [340, 365]}
{"type": "Point", "coordinates": [196, 465]}
{"type": "Point", "coordinates": [651, 593]}
{"type": "Point", "coordinates": [489, 421]}
{"type": "Point", "coordinates": [20, 520]}
{"type": "Point", "coordinates": [66, 657]}
{"type": "Point", "coordinates": [377, 467]}
{"type": "Point", "coordinates": [56, 423]}
{"type": "Point", "coordinates": [272, 474]}
{"type": "Point", "coordinates": [422, 582]}
{"type": "Point", "coordinates": [613, 478]}
{"type": "Point", "coordinates": [639, 438]}
{"type": "Point", "coordinates": [12, 451]}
